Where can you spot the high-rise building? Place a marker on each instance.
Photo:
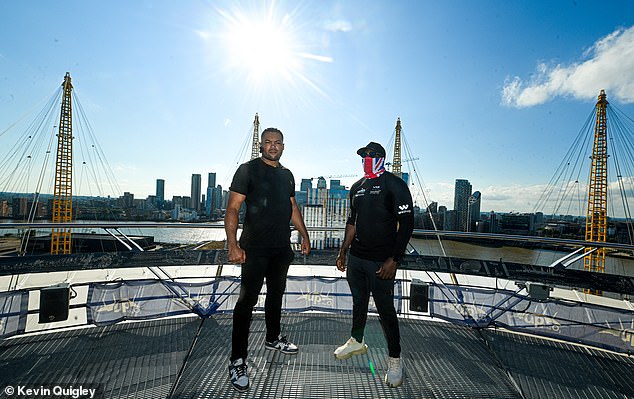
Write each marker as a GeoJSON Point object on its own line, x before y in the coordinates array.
{"type": "Point", "coordinates": [20, 207]}
{"type": "Point", "coordinates": [211, 186]}
{"type": "Point", "coordinates": [127, 201]}
{"type": "Point", "coordinates": [306, 185]}
{"type": "Point", "coordinates": [336, 185]}
{"type": "Point", "coordinates": [160, 191]}
{"type": "Point", "coordinates": [195, 197]}
{"type": "Point", "coordinates": [321, 183]}
{"type": "Point", "coordinates": [214, 201]}
{"type": "Point", "coordinates": [177, 200]}
{"type": "Point", "coordinates": [493, 223]}
{"type": "Point", "coordinates": [209, 206]}
{"type": "Point", "coordinates": [217, 198]}
{"type": "Point", "coordinates": [326, 208]}
{"type": "Point", "coordinates": [462, 192]}
{"type": "Point", "coordinates": [449, 221]}
{"type": "Point", "coordinates": [474, 210]}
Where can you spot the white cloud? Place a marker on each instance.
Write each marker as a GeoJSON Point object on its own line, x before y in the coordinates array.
{"type": "Point", "coordinates": [338, 26]}
{"type": "Point", "coordinates": [203, 34]}
{"type": "Point", "coordinates": [322, 58]}
{"type": "Point", "coordinates": [120, 167]}
{"type": "Point", "coordinates": [518, 198]}
{"type": "Point", "coordinates": [608, 64]}
{"type": "Point", "coordinates": [533, 198]}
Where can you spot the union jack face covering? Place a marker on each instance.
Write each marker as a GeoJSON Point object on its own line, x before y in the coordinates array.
{"type": "Point", "coordinates": [373, 167]}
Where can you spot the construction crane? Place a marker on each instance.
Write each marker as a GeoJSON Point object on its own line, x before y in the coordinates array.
{"type": "Point", "coordinates": [255, 147]}
{"type": "Point", "coordinates": [332, 177]}
{"type": "Point", "coordinates": [404, 160]}
{"type": "Point", "coordinates": [63, 189]}
{"type": "Point", "coordinates": [596, 217]}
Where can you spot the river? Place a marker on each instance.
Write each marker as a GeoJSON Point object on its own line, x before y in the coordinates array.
{"type": "Point", "coordinates": [614, 265]}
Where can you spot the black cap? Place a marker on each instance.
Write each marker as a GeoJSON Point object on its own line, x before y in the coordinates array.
{"type": "Point", "coordinates": [372, 147]}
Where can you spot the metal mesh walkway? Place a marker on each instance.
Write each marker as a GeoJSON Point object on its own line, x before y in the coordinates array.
{"type": "Point", "coordinates": [147, 360]}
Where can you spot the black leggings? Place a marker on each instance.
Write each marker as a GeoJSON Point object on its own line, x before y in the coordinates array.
{"type": "Point", "coordinates": [271, 264]}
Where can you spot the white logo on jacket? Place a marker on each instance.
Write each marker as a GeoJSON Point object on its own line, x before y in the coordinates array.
{"type": "Point", "coordinates": [404, 209]}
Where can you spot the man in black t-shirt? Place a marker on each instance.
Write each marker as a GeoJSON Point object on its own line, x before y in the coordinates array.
{"type": "Point", "coordinates": [268, 190]}
{"type": "Point", "coordinates": [378, 229]}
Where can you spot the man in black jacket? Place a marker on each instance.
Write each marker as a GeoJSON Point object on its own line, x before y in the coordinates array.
{"type": "Point", "coordinates": [268, 190]}
{"type": "Point", "coordinates": [377, 231]}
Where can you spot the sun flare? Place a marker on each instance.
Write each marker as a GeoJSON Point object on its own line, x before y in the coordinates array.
{"type": "Point", "coordinates": [261, 47]}
{"type": "Point", "coordinates": [264, 47]}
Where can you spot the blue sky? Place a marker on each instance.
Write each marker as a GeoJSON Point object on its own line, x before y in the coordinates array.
{"type": "Point", "coordinates": [490, 91]}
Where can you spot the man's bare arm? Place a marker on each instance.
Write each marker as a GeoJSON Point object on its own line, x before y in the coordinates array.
{"type": "Point", "coordinates": [236, 254]}
{"type": "Point", "coordinates": [298, 222]}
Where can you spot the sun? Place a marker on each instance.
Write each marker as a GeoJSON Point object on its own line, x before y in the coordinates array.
{"type": "Point", "coordinates": [264, 46]}
{"type": "Point", "coordinates": [261, 44]}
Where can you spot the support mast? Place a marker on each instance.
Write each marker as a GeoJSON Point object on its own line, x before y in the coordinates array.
{"type": "Point", "coordinates": [396, 162]}
{"type": "Point", "coordinates": [596, 218]}
{"type": "Point", "coordinates": [63, 190]}
{"type": "Point", "coordinates": [255, 148]}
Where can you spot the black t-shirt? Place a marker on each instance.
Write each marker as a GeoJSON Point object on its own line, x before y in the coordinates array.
{"type": "Point", "coordinates": [268, 190]}
{"type": "Point", "coordinates": [382, 211]}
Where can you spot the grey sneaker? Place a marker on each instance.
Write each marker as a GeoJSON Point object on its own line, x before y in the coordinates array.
{"type": "Point", "coordinates": [281, 344]}
{"type": "Point", "coordinates": [394, 375]}
{"type": "Point", "coordinates": [238, 375]}
{"type": "Point", "coordinates": [351, 348]}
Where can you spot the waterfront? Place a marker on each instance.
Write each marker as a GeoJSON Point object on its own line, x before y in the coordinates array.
{"type": "Point", "coordinates": [164, 233]}
{"type": "Point", "coordinates": [532, 256]}
{"type": "Point", "coordinates": [168, 233]}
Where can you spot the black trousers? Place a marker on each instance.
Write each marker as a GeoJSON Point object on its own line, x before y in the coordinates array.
{"type": "Point", "coordinates": [271, 264]}
{"type": "Point", "coordinates": [362, 279]}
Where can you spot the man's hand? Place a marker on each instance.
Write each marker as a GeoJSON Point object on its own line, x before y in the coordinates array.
{"type": "Point", "coordinates": [305, 247]}
{"type": "Point", "coordinates": [236, 254]}
{"type": "Point", "coordinates": [387, 271]}
{"type": "Point", "coordinates": [341, 260]}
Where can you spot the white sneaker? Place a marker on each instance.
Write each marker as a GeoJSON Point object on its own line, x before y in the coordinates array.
{"type": "Point", "coordinates": [351, 348]}
{"type": "Point", "coordinates": [394, 375]}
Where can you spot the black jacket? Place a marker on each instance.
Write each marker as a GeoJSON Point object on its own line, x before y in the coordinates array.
{"type": "Point", "coordinates": [381, 209]}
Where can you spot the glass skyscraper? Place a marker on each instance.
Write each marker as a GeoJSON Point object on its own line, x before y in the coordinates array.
{"type": "Point", "coordinates": [462, 192]}
{"type": "Point", "coordinates": [196, 193]}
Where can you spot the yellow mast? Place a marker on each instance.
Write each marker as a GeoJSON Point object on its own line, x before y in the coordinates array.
{"type": "Point", "coordinates": [255, 148]}
{"type": "Point", "coordinates": [396, 162]}
{"type": "Point", "coordinates": [596, 218]}
{"type": "Point", "coordinates": [63, 190]}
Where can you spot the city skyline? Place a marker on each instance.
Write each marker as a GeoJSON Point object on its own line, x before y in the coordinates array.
{"type": "Point", "coordinates": [493, 93]}
{"type": "Point", "coordinates": [332, 186]}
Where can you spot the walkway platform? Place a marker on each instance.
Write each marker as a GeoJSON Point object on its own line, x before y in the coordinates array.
{"type": "Point", "coordinates": [188, 358]}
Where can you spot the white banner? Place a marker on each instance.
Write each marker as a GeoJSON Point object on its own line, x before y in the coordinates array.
{"type": "Point", "coordinates": [578, 322]}
{"type": "Point", "coordinates": [147, 299]}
